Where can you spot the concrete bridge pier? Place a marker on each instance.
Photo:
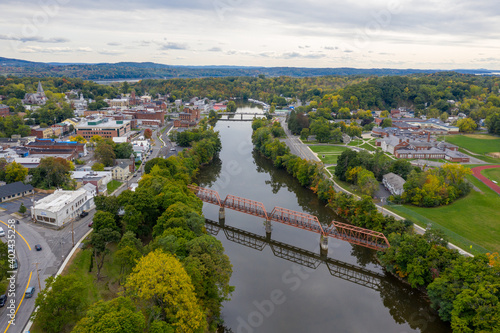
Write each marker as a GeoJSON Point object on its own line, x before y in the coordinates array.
{"type": "Point", "coordinates": [268, 227]}
{"type": "Point", "coordinates": [242, 116]}
{"type": "Point", "coordinates": [222, 216]}
{"type": "Point", "coordinates": [323, 246]}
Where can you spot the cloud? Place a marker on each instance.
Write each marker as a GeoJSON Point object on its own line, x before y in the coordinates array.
{"type": "Point", "coordinates": [37, 39]}
{"type": "Point", "coordinates": [110, 52]}
{"type": "Point", "coordinates": [215, 49]}
{"type": "Point", "coordinates": [292, 55]}
{"type": "Point", "coordinates": [114, 44]}
{"type": "Point", "coordinates": [173, 46]}
{"type": "Point", "coordinates": [38, 49]}
{"type": "Point", "coordinates": [331, 48]}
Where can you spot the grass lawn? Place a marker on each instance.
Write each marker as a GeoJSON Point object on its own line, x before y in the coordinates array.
{"type": "Point", "coordinates": [329, 158]}
{"type": "Point", "coordinates": [492, 174]}
{"type": "Point", "coordinates": [113, 185]}
{"type": "Point", "coordinates": [472, 220]}
{"type": "Point", "coordinates": [328, 149]}
{"type": "Point", "coordinates": [106, 288]}
{"type": "Point", "coordinates": [481, 144]}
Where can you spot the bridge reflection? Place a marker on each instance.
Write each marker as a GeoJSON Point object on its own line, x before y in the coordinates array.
{"type": "Point", "coordinates": [337, 268]}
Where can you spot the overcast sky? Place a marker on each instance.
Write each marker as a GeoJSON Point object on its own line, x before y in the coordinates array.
{"type": "Point", "coordinates": [427, 34]}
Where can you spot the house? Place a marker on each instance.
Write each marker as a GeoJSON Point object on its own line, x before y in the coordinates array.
{"type": "Point", "coordinates": [121, 172]}
{"type": "Point", "coordinates": [15, 190]}
{"type": "Point", "coordinates": [4, 110]}
{"type": "Point", "coordinates": [393, 183]}
{"type": "Point", "coordinates": [42, 133]}
{"type": "Point", "coordinates": [61, 207]}
{"type": "Point", "coordinates": [100, 179]}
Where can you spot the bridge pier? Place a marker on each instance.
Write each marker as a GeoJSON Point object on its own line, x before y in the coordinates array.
{"type": "Point", "coordinates": [222, 216]}
{"type": "Point", "coordinates": [268, 227]}
{"type": "Point", "coordinates": [323, 246]}
{"type": "Point", "coordinates": [242, 116]}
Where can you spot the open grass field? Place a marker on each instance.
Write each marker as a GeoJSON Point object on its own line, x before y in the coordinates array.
{"type": "Point", "coordinates": [113, 185]}
{"type": "Point", "coordinates": [476, 143]}
{"type": "Point", "coordinates": [328, 149]}
{"type": "Point", "coordinates": [473, 220]}
{"type": "Point", "coordinates": [328, 154]}
{"type": "Point", "coordinates": [492, 174]}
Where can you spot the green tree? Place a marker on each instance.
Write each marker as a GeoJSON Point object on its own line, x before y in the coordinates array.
{"type": "Point", "coordinates": [15, 172]}
{"type": "Point", "coordinates": [99, 241]}
{"type": "Point", "coordinates": [60, 303]}
{"type": "Point", "coordinates": [387, 122]}
{"type": "Point", "coordinates": [304, 135]}
{"type": "Point", "coordinates": [160, 280]}
{"type": "Point", "coordinates": [22, 208]}
{"type": "Point", "coordinates": [231, 106]}
{"type": "Point", "coordinates": [51, 172]}
{"type": "Point", "coordinates": [123, 150]}
{"type": "Point", "coordinates": [118, 315]}
{"type": "Point", "coordinates": [321, 129]}
{"type": "Point", "coordinates": [97, 166]}
{"type": "Point", "coordinates": [104, 153]}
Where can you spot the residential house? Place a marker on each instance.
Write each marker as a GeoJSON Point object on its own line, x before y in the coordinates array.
{"type": "Point", "coordinates": [393, 183]}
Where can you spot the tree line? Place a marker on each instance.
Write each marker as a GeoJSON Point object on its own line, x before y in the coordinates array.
{"type": "Point", "coordinates": [464, 290]}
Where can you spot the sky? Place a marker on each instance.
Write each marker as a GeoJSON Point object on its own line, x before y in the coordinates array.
{"type": "Point", "coordinates": [424, 34]}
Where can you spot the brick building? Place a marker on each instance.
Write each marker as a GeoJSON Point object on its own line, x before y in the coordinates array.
{"type": "Point", "coordinates": [103, 127]}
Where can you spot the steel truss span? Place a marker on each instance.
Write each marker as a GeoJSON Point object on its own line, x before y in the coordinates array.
{"type": "Point", "coordinates": [346, 232]}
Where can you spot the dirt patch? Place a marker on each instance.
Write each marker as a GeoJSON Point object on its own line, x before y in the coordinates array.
{"type": "Point", "coordinates": [481, 137]}
{"type": "Point", "coordinates": [495, 155]}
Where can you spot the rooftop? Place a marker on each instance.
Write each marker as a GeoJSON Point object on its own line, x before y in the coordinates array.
{"type": "Point", "coordinates": [58, 200]}
{"type": "Point", "coordinates": [14, 188]}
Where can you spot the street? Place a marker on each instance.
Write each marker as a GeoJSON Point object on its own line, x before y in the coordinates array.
{"type": "Point", "coordinates": [56, 244]}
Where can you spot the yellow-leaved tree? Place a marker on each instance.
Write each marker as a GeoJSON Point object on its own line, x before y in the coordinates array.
{"type": "Point", "coordinates": [160, 280]}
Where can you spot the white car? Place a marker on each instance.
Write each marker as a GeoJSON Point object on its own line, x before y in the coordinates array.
{"type": "Point", "coordinates": [2, 233]}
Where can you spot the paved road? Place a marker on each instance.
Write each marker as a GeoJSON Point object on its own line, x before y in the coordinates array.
{"type": "Point", "coordinates": [296, 146]}
{"type": "Point", "coordinates": [56, 244]}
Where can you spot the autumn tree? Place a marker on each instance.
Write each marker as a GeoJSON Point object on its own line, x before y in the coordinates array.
{"type": "Point", "coordinates": [118, 315]}
{"type": "Point", "coordinates": [160, 280]}
{"type": "Point", "coordinates": [466, 125]}
{"type": "Point", "coordinates": [78, 138]}
{"type": "Point", "coordinates": [148, 133]}
{"type": "Point", "coordinates": [60, 303]}
{"type": "Point", "coordinates": [97, 166]}
{"type": "Point", "coordinates": [15, 172]}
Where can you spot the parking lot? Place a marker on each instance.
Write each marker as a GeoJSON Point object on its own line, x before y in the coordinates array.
{"type": "Point", "coordinates": [12, 206]}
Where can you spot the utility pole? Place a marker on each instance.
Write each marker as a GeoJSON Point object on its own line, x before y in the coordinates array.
{"type": "Point", "coordinates": [72, 233]}
{"type": "Point", "coordinates": [38, 276]}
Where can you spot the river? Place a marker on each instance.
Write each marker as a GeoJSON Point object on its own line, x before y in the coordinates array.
{"type": "Point", "coordinates": [282, 284]}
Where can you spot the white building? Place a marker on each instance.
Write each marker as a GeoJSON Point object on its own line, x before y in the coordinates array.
{"type": "Point", "coordinates": [394, 183]}
{"type": "Point", "coordinates": [61, 207]}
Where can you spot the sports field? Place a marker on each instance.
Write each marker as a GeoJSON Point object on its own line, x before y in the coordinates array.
{"type": "Point", "coordinates": [472, 220]}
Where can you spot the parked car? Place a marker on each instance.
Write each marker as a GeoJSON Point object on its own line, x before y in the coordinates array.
{"type": "Point", "coordinates": [91, 223]}
{"type": "Point", "coordinates": [38, 247]}
{"type": "Point", "coordinates": [2, 233]}
{"type": "Point", "coordinates": [84, 213]}
{"type": "Point", "coordinates": [3, 300]}
{"type": "Point", "coordinates": [29, 292]}
{"type": "Point", "coordinates": [14, 264]}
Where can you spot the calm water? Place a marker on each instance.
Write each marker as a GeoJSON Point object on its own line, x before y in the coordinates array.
{"type": "Point", "coordinates": [282, 284]}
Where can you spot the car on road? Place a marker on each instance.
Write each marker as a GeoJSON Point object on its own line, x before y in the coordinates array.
{"type": "Point", "coordinates": [3, 300]}
{"type": "Point", "coordinates": [91, 223]}
{"type": "Point", "coordinates": [38, 247]}
{"type": "Point", "coordinates": [2, 233]}
{"type": "Point", "coordinates": [30, 291]}
{"type": "Point", "coordinates": [172, 149]}
{"type": "Point", "coordinates": [84, 213]}
{"type": "Point", "coordinates": [14, 264]}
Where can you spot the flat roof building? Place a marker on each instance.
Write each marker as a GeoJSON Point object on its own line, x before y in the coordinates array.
{"type": "Point", "coordinates": [103, 127]}
{"type": "Point", "coordinates": [61, 207]}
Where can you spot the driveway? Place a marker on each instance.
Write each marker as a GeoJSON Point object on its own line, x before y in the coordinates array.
{"type": "Point", "coordinates": [12, 206]}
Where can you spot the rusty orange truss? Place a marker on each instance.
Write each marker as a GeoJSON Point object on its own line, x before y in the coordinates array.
{"type": "Point", "coordinates": [352, 234]}
{"type": "Point", "coordinates": [296, 219]}
{"type": "Point", "coordinates": [245, 205]}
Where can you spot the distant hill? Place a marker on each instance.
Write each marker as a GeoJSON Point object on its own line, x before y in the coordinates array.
{"type": "Point", "coordinates": [150, 70]}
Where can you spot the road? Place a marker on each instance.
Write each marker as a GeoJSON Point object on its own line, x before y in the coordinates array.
{"type": "Point", "coordinates": [296, 146]}
{"type": "Point", "coordinates": [56, 244]}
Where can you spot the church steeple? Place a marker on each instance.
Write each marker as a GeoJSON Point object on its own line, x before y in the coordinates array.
{"type": "Point", "coordinates": [40, 89]}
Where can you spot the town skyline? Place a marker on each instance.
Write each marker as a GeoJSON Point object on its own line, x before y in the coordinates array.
{"type": "Point", "coordinates": [319, 34]}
